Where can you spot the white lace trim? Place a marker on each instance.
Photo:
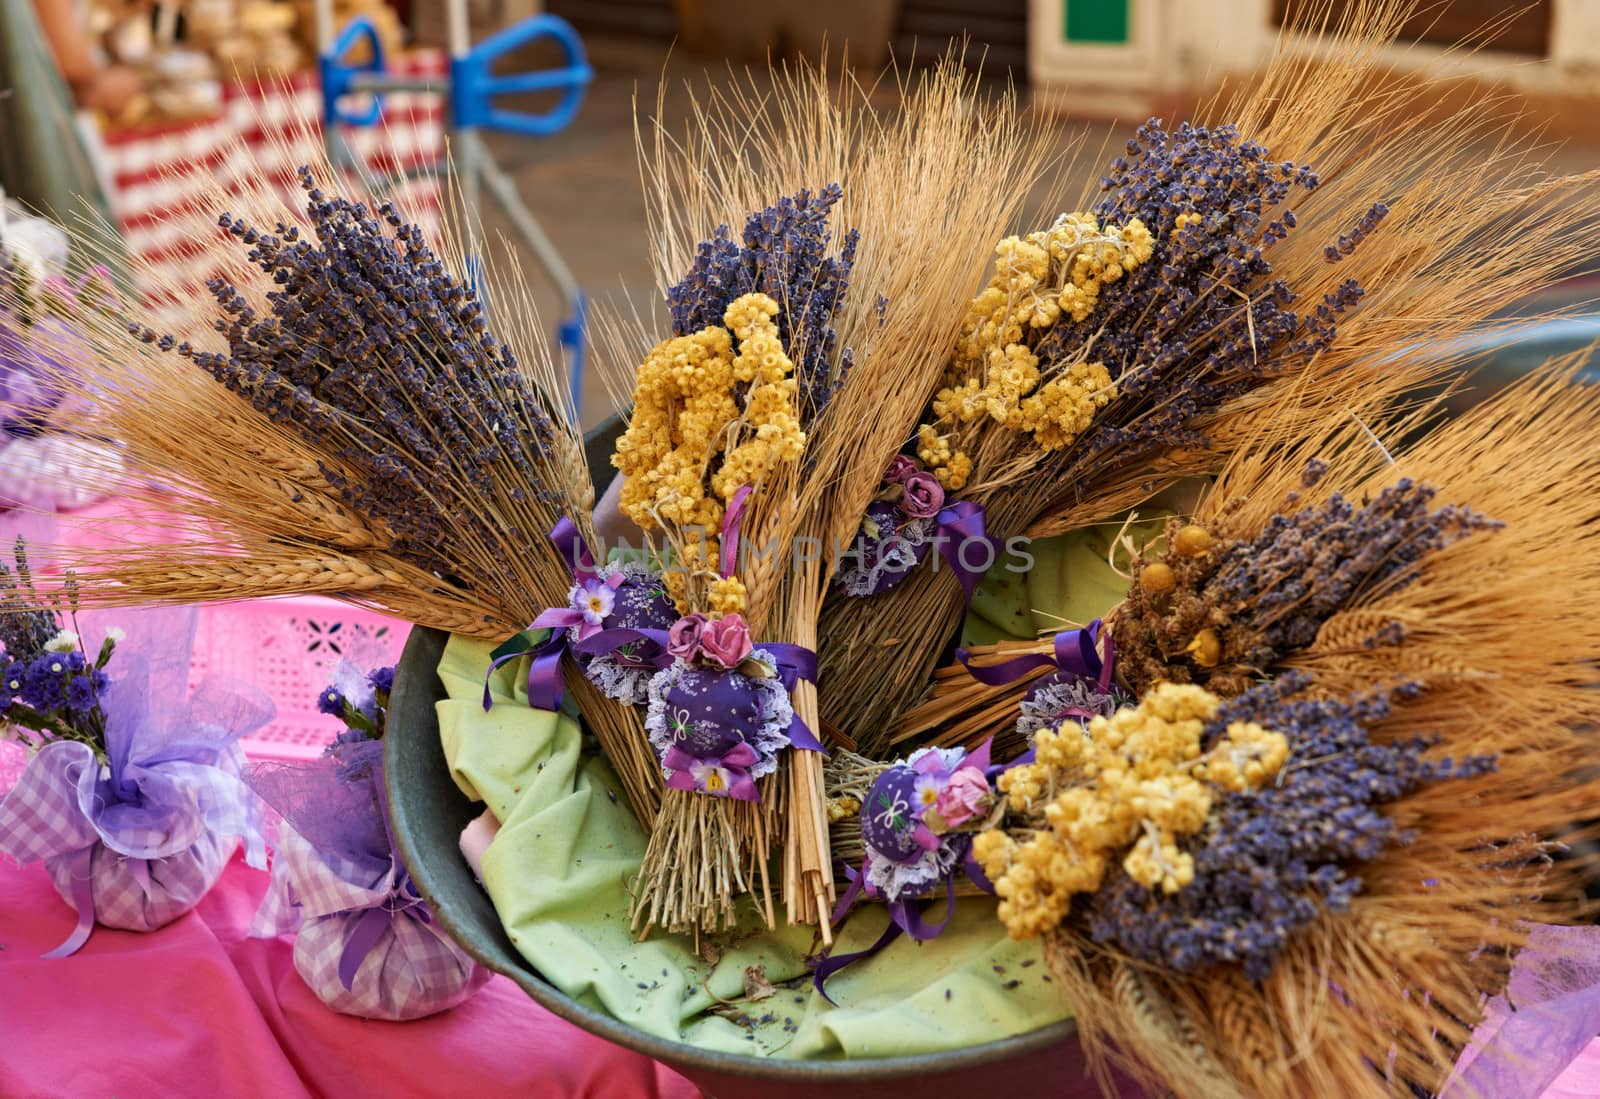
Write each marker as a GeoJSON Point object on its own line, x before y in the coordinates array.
{"type": "Point", "coordinates": [900, 558]}
{"type": "Point", "coordinates": [619, 681]}
{"type": "Point", "coordinates": [771, 736]}
{"type": "Point", "coordinates": [913, 878]}
{"type": "Point", "coordinates": [1045, 708]}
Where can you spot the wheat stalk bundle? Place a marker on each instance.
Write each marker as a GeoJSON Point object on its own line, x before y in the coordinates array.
{"type": "Point", "coordinates": [922, 194]}
{"type": "Point", "coordinates": [1418, 229]}
{"type": "Point", "coordinates": [336, 415]}
{"type": "Point", "coordinates": [1382, 995]}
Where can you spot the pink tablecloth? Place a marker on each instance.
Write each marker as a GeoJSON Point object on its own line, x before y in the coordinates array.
{"type": "Point", "coordinates": [198, 1008]}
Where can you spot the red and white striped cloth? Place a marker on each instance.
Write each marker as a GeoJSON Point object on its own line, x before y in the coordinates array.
{"type": "Point", "coordinates": [160, 176]}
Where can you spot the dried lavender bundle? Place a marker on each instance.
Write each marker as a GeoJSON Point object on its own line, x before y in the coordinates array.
{"type": "Point", "coordinates": [1271, 861]}
{"type": "Point", "coordinates": [357, 428]}
{"type": "Point", "coordinates": [383, 359]}
{"type": "Point", "coordinates": [1156, 311]}
{"type": "Point", "coordinates": [1222, 610]}
{"type": "Point", "coordinates": [927, 191]}
{"type": "Point", "coordinates": [1269, 282]}
{"type": "Point", "coordinates": [1394, 842]}
{"type": "Point", "coordinates": [734, 392]}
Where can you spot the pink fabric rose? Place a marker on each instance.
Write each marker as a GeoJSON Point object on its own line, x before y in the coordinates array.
{"type": "Point", "coordinates": [900, 467]}
{"type": "Point", "coordinates": [726, 641]}
{"type": "Point", "coordinates": [964, 797]}
{"type": "Point", "coordinates": [683, 638]}
{"type": "Point", "coordinates": [923, 496]}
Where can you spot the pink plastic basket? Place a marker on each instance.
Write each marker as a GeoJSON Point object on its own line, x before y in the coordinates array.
{"type": "Point", "coordinates": [288, 648]}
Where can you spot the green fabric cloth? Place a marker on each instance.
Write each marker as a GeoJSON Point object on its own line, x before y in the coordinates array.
{"type": "Point", "coordinates": [558, 872]}
{"type": "Point", "coordinates": [1070, 584]}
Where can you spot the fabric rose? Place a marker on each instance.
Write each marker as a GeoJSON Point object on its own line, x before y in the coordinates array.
{"type": "Point", "coordinates": [963, 798]}
{"type": "Point", "coordinates": [726, 641]}
{"type": "Point", "coordinates": [900, 468]}
{"type": "Point", "coordinates": [683, 638]}
{"type": "Point", "coordinates": [923, 496]}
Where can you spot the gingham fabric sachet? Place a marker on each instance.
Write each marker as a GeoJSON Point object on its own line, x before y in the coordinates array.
{"type": "Point", "coordinates": [399, 965]}
{"type": "Point", "coordinates": [131, 863]}
{"type": "Point", "coordinates": [42, 471]}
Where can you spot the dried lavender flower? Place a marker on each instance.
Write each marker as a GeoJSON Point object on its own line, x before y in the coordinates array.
{"type": "Point", "coordinates": [1267, 596]}
{"type": "Point", "coordinates": [1206, 320]}
{"type": "Point", "coordinates": [1269, 861]}
{"type": "Point", "coordinates": [783, 253]}
{"type": "Point", "coordinates": [372, 349]}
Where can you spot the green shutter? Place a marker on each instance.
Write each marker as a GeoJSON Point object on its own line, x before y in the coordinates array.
{"type": "Point", "coordinates": [1095, 22]}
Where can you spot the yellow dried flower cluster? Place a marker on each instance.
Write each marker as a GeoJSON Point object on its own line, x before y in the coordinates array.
{"type": "Point", "coordinates": [951, 467]}
{"type": "Point", "coordinates": [770, 408]}
{"type": "Point", "coordinates": [1039, 279]}
{"type": "Point", "coordinates": [697, 556]}
{"type": "Point", "coordinates": [1138, 778]}
{"type": "Point", "coordinates": [1183, 221]}
{"type": "Point", "coordinates": [695, 395]}
{"type": "Point", "coordinates": [727, 596]}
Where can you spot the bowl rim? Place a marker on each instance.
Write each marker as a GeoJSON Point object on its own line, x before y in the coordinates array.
{"type": "Point", "coordinates": [422, 640]}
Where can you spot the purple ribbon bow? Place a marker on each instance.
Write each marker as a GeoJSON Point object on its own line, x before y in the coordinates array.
{"type": "Point", "coordinates": [959, 525]}
{"type": "Point", "coordinates": [1077, 655]}
{"type": "Point", "coordinates": [374, 921]}
{"type": "Point", "coordinates": [737, 762]}
{"type": "Point", "coordinates": [545, 686]}
{"type": "Point", "coordinates": [796, 662]}
{"type": "Point", "coordinates": [576, 551]}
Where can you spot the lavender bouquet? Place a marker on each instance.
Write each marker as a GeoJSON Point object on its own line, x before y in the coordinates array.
{"type": "Point", "coordinates": [365, 941]}
{"type": "Point", "coordinates": [132, 797]}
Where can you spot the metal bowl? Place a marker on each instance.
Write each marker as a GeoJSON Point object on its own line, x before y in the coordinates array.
{"type": "Point", "coordinates": [427, 812]}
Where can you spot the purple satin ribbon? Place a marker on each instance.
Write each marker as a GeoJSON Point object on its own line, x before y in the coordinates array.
{"type": "Point", "coordinates": [1077, 654]}
{"type": "Point", "coordinates": [796, 662]}
{"type": "Point", "coordinates": [737, 761]}
{"type": "Point", "coordinates": [80, 867]}
{"type": "Point", "coordinates": [545, 686]}
{"type": "Point", "coordinates": [576, 551]}
{"type": "Point", "coordinates": [730, 529]}
{"type": "Point", "coordinates": [904, 916]}
{"type": "Point", "coordinates": [374, 921]}
{"type": "Point", "coordinates": [609, 642]}
{"type": "Point", "coordinates": [959, 524]}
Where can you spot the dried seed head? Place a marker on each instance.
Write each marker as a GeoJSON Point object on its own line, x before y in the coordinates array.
{"type": "Point", "coordinates": [1206, 648]}
{"type": "Point", "coordinates": [1192, 541]}
{"type": "Point", "coordinates": [1157, 577]}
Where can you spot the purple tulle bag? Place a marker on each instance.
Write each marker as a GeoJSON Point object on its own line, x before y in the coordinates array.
{"type": "Point", "coordinates": [365, 941]}
{"type": "Point", "coordinates": [135, 842]}
{"type": "Point", "coordinates": [1549, 1014]}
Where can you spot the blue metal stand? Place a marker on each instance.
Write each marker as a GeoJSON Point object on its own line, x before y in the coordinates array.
{"type": "Point", "coordinates": [469, 94]}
